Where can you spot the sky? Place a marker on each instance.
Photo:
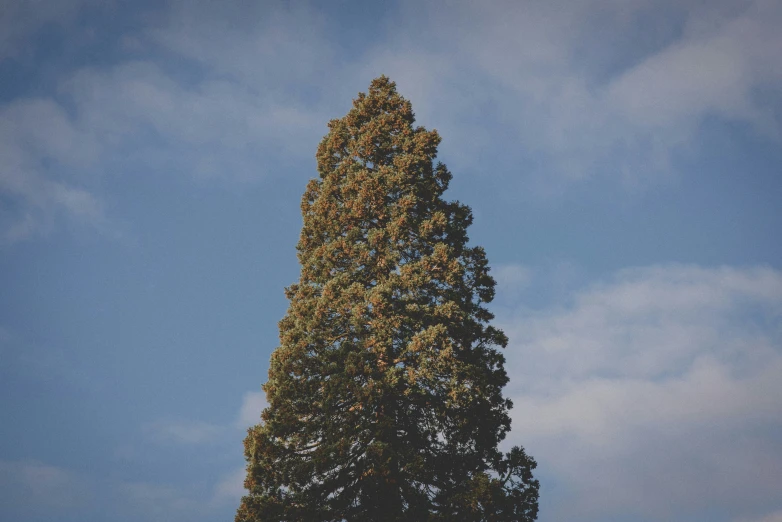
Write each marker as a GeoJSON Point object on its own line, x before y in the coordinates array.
{"type": "Point", "coordinates": [622, 159]}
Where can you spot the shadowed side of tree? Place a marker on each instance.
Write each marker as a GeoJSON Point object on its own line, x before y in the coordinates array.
{"type": "Point", "coordinates": [385, 394]}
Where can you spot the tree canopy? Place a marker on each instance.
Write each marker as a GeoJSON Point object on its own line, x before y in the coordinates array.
{"type": "Point", "coordinates": [385, 393]}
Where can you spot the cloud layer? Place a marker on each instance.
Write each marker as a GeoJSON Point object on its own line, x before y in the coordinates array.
{"type": "Point", "coordinates": [570, 91]}
{"type": "Point", "coordinates": [655, 393]}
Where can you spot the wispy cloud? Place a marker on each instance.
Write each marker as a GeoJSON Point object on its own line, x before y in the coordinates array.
{"type": "Point", "coordinates": [598, 88]}
{"type": "Point", "coordinates": [34, 135]}
{"type": "Point", "coordinates": [242, 117]}
{"type": "Point", "coordinates": [215, 128]}
{"type": "Point", "coordinates": [655, 393]}
{"type": "Point", "coordinates": [154, 501]}
{"type": "Point", "coordinates": [770, 517]}
{"type": "Point", "coordinates": [253, 403]}
{"type": "Point", "coordinates": [560, 90]}
{"type": "Point", "coordinates": [195, 432]}
{"type": "Point", "coordinates": [511, 281]}
{"type": "Point", "coordinates": [37, 489]}
{"type": "Point", "coordinates": [230, 488]}
{"type": "Point", "coordinates": [265, 47]}
{"type": "Point", "coordinates": [183, 431]}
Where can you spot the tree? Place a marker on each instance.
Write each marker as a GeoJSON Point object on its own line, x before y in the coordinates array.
{"type": "Point", "coordinates": [385, 394]}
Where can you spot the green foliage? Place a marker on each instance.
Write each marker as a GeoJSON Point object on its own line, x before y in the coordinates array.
{"type": "Point", "coordinates": [385, 394]}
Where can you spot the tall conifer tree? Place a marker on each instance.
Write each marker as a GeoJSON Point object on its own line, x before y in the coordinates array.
{"type": "Point", "coordinates": [385, 394]}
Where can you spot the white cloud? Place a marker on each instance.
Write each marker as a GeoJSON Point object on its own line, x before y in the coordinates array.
{"type": "Point", "coordinates": [193, 432]}
{"type": "Point", "coordinates": [265, 47]}
{"type": "Point", "coordinates": [512, 275]}
{"type": "Point", "coordinates": [33, 488]}
{"type": "Point", "coordinates": [533, 78]}
{"type": "Point", "coordinates": [243, 117]}
{"type": "Point", "coordinates": [35, 134]}
{"type": "Point", "coordinates": [38, 491]}
{"type": "Point", "coordinates": [231, 487]}
{"type": "Point", "coordinates": [594, 88]}
{"type": "Point", "coordinates": [712, 69]}
{"type": "Point", "coordinates": [589, 88]}
{"type": "Point", "coordinates": [253, 403]}
{"type": "Point", "coordinates": [581, 89]}
{"type": "Point", "coordinates": [654, 395]}
{"type": "Point", "coordinates": [770, 517]}
{"type": "Point", "coordinates": [183, 431]}
{"type": "Point", "coordinates": [152, 501]}
{"type": "Point", "coordinates": [512, 280]}
{"type": "Point", "coordinates": [214, 128]}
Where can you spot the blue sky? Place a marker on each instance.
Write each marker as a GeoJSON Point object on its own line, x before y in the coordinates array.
{"type": "Point", "coordinates": [622, 159]}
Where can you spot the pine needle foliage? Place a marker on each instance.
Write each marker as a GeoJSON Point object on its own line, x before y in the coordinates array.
{"type": "Point", "coordinates": [385, 394]}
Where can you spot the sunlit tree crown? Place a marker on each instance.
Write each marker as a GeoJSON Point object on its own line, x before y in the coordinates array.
{"type": "Point", "coordinates": [385, 394]}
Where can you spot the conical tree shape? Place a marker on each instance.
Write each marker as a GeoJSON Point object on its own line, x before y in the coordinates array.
{"type": "Point", "coordinates": [385, 394]}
